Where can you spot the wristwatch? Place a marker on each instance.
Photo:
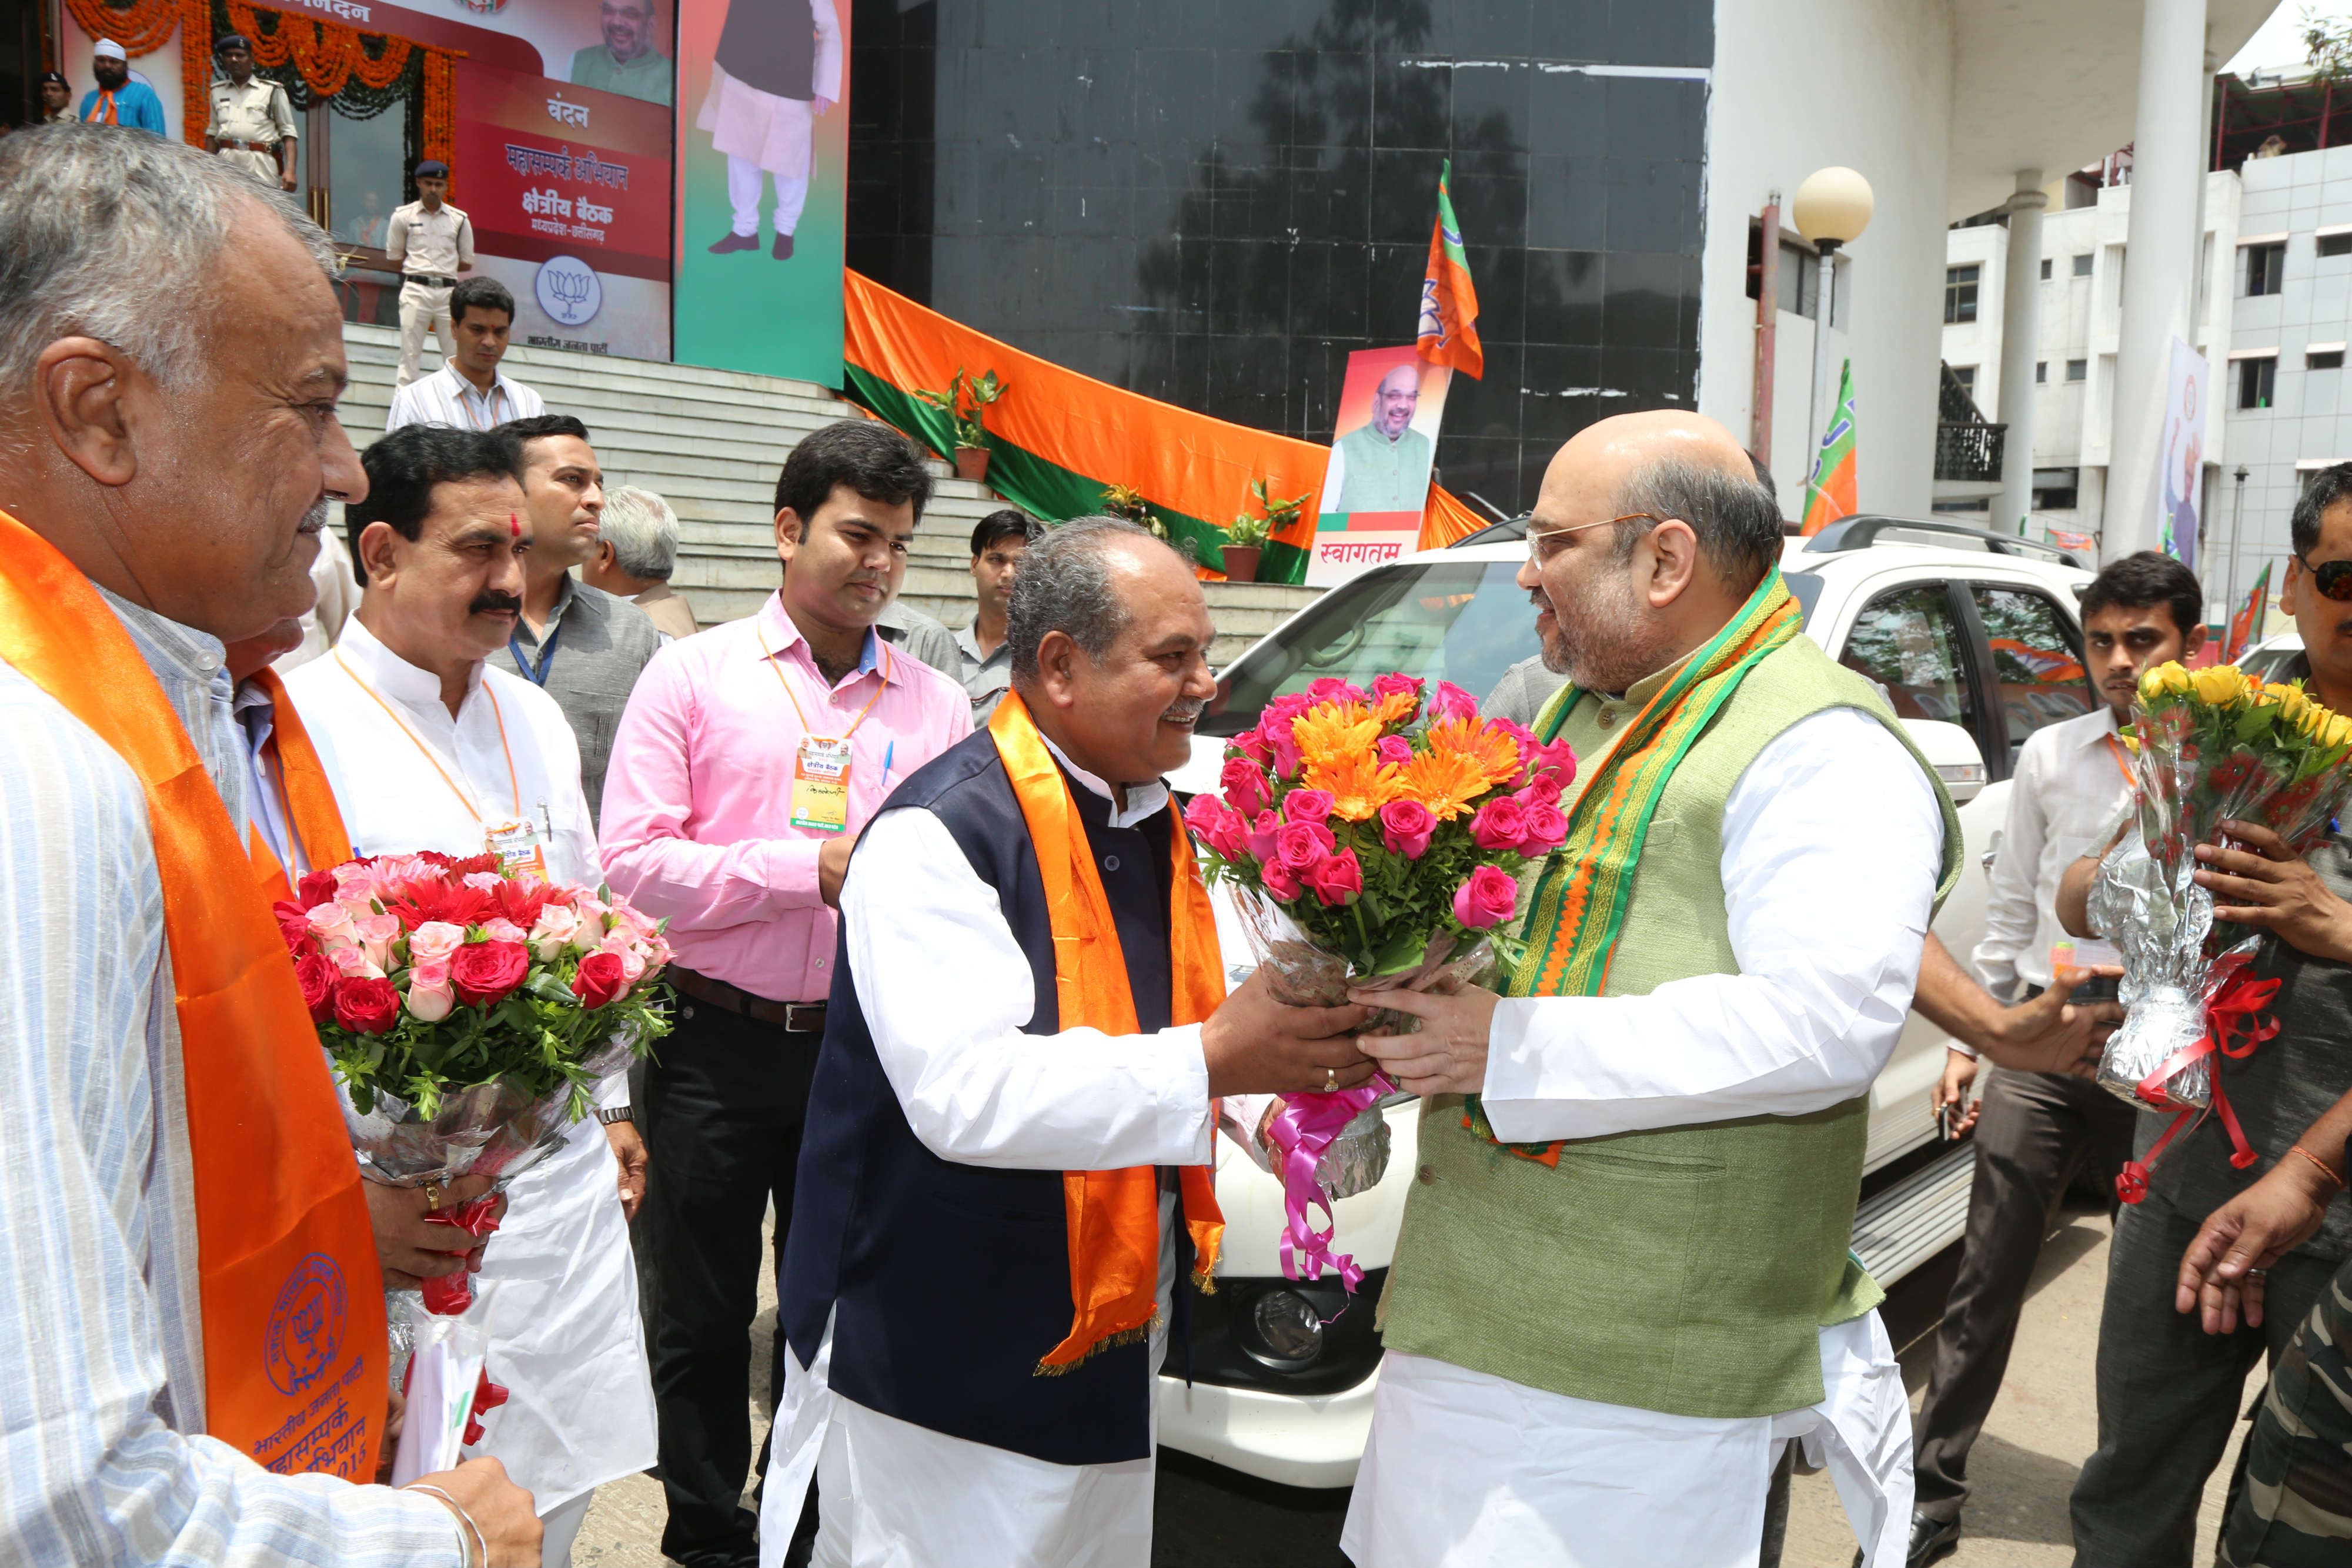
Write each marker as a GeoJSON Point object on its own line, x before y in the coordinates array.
{"type": "Point", "coordinates": [617, 1114]}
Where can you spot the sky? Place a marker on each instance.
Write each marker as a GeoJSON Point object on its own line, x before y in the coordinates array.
{"type": "Point", "coordinates": [2278, 41]}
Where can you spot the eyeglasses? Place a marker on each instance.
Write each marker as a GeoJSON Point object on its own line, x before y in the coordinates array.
{"type": "Point", "coordinates": [1541, 547]}
{"type": "Point", "coordinates": [2332, 578]}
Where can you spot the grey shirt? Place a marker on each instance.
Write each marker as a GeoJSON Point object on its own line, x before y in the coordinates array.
{"type": "Point", "coordinates": [601, 642]}
{"type": "Point", "coordinates": [1522, 692]}
{"type": "Point", "coordinates": [918, 636]}
{"type": "Point", "coordinates": [985, 680]}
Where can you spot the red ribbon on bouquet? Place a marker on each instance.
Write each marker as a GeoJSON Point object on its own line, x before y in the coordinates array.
{"type": "Point", "coordinates": [487, 1396]}
{"type": "Point", "coordinates": [2234, 1024]}
{"type": "Point", "coordinates": [1301, 1132]}
{"type": "Point", "coordinates": [449, 1294]}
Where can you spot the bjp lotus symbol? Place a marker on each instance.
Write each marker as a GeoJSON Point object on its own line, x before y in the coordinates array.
{"type": "Point", "coordinates": [569, 290]}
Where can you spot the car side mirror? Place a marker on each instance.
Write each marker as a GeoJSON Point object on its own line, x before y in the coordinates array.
{"type": "Point", "coordinates": [1952, 752]}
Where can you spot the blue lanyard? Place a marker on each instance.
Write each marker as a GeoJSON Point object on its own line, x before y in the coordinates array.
{"type": "Point", "coordinates": [538, 676]}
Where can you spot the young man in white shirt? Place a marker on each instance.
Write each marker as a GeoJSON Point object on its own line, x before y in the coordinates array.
{"type": "Point", "coordinates": [430, 745]}
{"type": "Point", "coordinates": [2035, 1130]}
{"type": "Point", "coordinates": [467, 390]}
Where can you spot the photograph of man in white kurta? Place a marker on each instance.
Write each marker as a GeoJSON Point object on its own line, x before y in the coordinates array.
{"type": "Point", "coordinates": [1382, 464]}
{"type": "Point", "coordinates": [777, 68]}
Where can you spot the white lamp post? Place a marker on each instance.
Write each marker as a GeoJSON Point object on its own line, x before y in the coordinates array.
{"type": "Point", "coordinates": [1832, 207]}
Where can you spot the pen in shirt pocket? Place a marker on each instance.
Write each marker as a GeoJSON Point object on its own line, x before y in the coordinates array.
{"type": "Point", "coordinates": [888, 752]}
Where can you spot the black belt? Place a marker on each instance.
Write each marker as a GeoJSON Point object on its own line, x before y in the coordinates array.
{"type": "Point", "coordinates": [431, 280]}
{"type": "Point", "coordinates": [794, 1017]}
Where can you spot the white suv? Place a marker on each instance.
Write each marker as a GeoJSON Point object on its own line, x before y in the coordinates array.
{"type": "Point", "coordinates": [1978, 641]}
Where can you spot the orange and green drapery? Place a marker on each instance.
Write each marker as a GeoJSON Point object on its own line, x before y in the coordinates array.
{"type": "Point", "coordinates": [1057, 438]}
{"type": "Point", "coordinates": [1113, 1216]}
{"type": "Point", "coordinates": [290, 1294]}
{"type": "Point", "coordinates": [1449, 301]}
{"type": "Point", "coordinates": [1832, 492]}
{"type": "Point", "coordinates": [1579, 901]}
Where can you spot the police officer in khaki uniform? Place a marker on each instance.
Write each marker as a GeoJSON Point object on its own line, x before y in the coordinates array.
{"type": "Point", "coordinates": [430, 242]}
{"type": "Point", "coordinates": [252, 125]}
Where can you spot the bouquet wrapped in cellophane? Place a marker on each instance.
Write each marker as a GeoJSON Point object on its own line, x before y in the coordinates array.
{"type": "Point", "coordinates": [1370, 841]}
{"type": "Point", "coordinates": [468, 1015]}
{"type": "Point", "coordinates": [2211, 746]}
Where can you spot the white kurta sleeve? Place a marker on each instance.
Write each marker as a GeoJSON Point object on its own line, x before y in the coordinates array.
{"type": "Point", "coordinates": [1831, 842]}
{"type": "Point", "coordinates": [946, 989]}
{"type": "Point", "coordinates": [2012, 901]}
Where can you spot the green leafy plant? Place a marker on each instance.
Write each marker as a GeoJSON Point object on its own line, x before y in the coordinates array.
{"type": "Point", "coordinates": [1249, 532]}
{"type": "Point", "coordinates": [964, 401]}
{"type": "Point", "coordinates": [1127, 501]}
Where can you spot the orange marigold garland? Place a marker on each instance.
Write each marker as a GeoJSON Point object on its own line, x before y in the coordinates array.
{"type": "Point", "coordinates": [440, 139]}
{"type": "Point", "coordinates": [142, 26]}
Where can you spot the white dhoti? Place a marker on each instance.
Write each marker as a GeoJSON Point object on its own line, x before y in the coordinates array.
{"type": "Point", "coordinates": [760, 134]}
{"type": "Point", "coordinates": [565, 1338]}
{"type": "Point", "coordinates": [1463, 1467]}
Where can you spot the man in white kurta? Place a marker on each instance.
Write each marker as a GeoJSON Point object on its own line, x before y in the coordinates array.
{"type": "Point", "coordinates": [430, 747]}
{"type": "Point", "coordinates": [777, 67]}
{"type": "Point", "coordinates": [1827, 851]}
{"type": "Point", "coordinates": [947, 994]}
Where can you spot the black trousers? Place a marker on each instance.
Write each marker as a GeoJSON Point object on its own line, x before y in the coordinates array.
{"type": "Point", "coordinates": [723, 1111]}
{"type": "Point", "coordinates": [2034, 1132]}
{"type": "Point", "coordinates": [2169, 1391]}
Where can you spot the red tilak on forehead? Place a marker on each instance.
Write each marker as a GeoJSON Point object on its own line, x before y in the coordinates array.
{"type": "Point", "coordinates": [514, 527]}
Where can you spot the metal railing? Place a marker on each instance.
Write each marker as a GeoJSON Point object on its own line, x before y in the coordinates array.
{"type": "Point", "coordinates": [1970, 452]}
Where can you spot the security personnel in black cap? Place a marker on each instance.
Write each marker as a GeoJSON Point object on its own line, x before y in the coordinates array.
{"type": "Point", "coordinates": [252, 125]}
{"type": "Point", "coordinates": [57, 99]}
{"type": "Point", "coordinates": [429, 242]}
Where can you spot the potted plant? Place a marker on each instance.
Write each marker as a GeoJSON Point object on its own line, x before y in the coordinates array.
{"type": "Point", "coordinates": [965, 398]}
{"type": "Point", "coordinates": [1127, 501]}
{"type": "Point", "coordinates": [1245, 536]}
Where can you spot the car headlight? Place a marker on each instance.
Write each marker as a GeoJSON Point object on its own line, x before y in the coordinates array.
{"type": "Point", "coordinates": [1282, 1330]}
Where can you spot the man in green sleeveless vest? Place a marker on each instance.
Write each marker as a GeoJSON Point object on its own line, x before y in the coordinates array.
{"type": "Point", "coordinates": [1622, 1282]}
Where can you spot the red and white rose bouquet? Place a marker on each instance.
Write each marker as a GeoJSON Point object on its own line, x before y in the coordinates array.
{"type": "Point", "coordinates": [1371, 838]}
{"type": "Point", "coordinates": [468, 1014]}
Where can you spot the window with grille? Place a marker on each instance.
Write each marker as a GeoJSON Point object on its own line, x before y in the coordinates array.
{"type": "Point", "coordinates": [2334, 245]}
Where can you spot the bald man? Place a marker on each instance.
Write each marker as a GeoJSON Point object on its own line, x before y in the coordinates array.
{"type": "Point", "coordinates": [1382, 466]}
{"type": "Point", "coordinates": [1622, 1282]}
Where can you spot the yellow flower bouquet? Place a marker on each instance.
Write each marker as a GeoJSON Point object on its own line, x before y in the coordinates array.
{"type": "Point", "coordinates": [2211, 746]}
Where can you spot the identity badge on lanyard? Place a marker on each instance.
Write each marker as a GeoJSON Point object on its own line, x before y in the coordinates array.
{"type": "Point", "coordinates": [821, 784]}
{"type": "Point", "coordinates": [520, 846]}
{"type": "Point", "coordinates": [821, 764]}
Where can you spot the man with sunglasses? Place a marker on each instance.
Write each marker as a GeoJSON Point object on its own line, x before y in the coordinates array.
{"type": "Point", "coordinates": [2169, 1392]}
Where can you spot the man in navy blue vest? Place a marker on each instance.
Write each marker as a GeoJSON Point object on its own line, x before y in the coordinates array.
{"type": "Point", "coordinates": [929, 1271]}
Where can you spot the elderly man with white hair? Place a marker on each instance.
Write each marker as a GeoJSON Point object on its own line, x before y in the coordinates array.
{"type": "Point", "coordinates": [195, 1339]}
{"type": "Point", "coordinates": [635, 552]}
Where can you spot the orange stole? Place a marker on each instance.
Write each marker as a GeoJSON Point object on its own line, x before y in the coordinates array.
{"type": "Point", "coordinates": [300, 780]}
{"type": "Point", "coordinates": [1113, 1216]}
{"type": "Point", "coordinates": [292, 1299]}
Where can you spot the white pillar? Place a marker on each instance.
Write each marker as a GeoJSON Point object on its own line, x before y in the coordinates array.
{"type": "Point", "coordinates": [2021, 343]}
{"type": "Point", "coordinates": [2160, 261]}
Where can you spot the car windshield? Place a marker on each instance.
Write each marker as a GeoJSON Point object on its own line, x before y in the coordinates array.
{"type": "Point", "coordinates": [1461, 621]}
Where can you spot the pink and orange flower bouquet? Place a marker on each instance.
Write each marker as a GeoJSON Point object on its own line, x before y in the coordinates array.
{"type": "Point", "coordinates": [1372, 840]}
{"type": "Point", "coordinates": [468, 1014]}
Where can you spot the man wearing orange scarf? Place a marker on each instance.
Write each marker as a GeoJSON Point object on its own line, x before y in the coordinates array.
{"type": "Point", "coordinates": [193, 1330]}
{"type": "Point", "coordinates": [1027, 1037]}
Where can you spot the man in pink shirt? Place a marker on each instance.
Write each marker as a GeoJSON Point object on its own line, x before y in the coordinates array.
{"type": "Point", "coordinates": [747, 761]}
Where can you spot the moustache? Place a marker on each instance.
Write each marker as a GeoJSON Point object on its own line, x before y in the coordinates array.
{"type": "Point", "coordinates": [1186, 711]}
{"type": "Point", "coordinates": [314, 521]}
{"type": "Point", "coordinates": [494, 603]}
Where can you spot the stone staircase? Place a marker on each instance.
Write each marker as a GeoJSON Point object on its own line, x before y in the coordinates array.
{"type": "Point", "coordinates": [711, 443]}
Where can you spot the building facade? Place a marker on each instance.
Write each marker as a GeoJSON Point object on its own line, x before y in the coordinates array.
{"type": "Point", "coordinates": [2080, 276]}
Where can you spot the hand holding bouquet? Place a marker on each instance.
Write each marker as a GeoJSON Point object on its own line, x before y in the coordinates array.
{"type": "Point", "coordinates": [1371, 841]}
{"type": "Point", "coordinates": [468, 1015]}
{"type": "Point", "coordinates": [2212, 744]}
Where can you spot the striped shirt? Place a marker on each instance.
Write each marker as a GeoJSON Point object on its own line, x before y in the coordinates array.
{"type": "Point", "coordinates": [445, 397]}
{"type": "Point", "coordinates": [101, 1404]}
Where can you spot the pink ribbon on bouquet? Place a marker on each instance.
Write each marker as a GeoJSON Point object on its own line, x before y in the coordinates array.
{"type": "Point", "coordinates": [1300, 1131]}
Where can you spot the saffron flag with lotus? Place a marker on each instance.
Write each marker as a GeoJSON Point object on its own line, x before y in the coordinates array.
{"type": "Point", "coordinates": [1831, 493]}
{"type": "Point", "coordinates": [1449, 301]}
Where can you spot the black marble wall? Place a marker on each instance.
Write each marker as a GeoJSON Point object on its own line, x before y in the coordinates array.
{"type": "Point", "coordinates": [1213, 201]}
